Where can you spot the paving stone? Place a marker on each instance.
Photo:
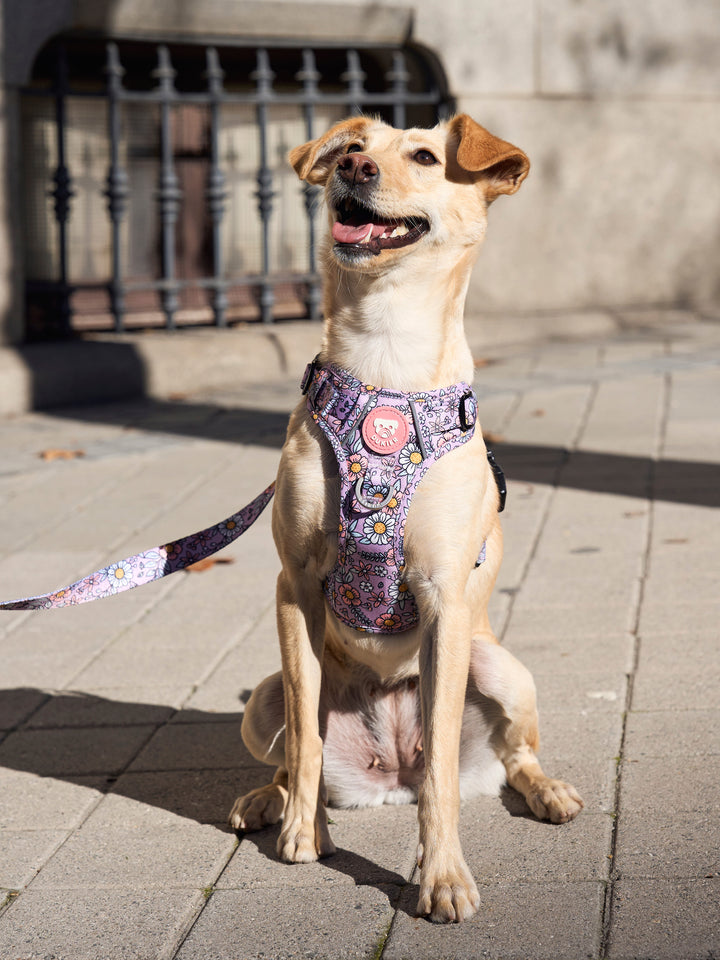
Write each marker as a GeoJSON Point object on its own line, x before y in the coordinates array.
{"type": "Point", "coordinates": [502, 845]}
{"type": "Point", "coordinates": [73, 752]}
{"type": "Point", "coordinates": [23, 853]}
{"type": "Point", "coordinates": [206, 796]}
{"type": "Point", "coordinates": [666, 843]}
{"type": "Point", "coordinates": [685, 617]}
{"type": "Point", "coordinates": [196, 746]}
{"type": "Point", "coordinates": [665, 919]}
{"type": "Point", "coordinates": [574, 658]}
{"type": "Point", "coordinates": [328, 923]}
{"type": "Point", "coordinates": [255, 656]}
{"type": "Point", "coordinates": [82, 924]}
{"type": "Point", "coordinates": [374, 846]}
{"type": "Point", "coordinates": [585, 695]}
{"type": "Point", "coordinates": [138, 855]}
{"type": "Point", "coordinates": [684, 784]}
{"type": "Point", "coordinates": [17, 705]}
{"type": "Point", "coordinates": [113, 707]}
{"type": "Point", "coordinates": [32, 802]}
{"type": "Point", "coordinates": [672, 733]}
{"type": "Point", "coordinates": [516, 921]}
{"type": "Point", "coordinates": [677, 670]}
{"type": "Point", "coordinates": [578, 621]}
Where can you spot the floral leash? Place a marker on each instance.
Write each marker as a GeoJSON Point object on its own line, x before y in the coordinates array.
{"type": "Point", "coordinates": [152, 564]}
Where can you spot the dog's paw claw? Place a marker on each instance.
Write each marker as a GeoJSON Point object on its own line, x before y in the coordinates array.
{"type": "Point", "coordinates": [449, 898]}
{"type": "Point", "coordinates": [300, 843]}
{"type": "Point", "coordinates": [259, 808]}
{"type": "Point", "coordinates": [555, 801]}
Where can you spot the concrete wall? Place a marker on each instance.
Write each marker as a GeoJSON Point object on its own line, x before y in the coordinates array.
{"type": "Point", "coordinates": [618, 105]}
{"type": "Point", "coordinates": [617, 102]}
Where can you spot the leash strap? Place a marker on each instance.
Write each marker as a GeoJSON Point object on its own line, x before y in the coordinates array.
{"type": "Point", "coordinates": [152, 564]}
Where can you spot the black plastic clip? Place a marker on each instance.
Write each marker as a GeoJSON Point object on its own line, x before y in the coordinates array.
{"type": "Point", "coordinates": [499, 479]}
{"type": "Point", "coordinates": [309, 374]}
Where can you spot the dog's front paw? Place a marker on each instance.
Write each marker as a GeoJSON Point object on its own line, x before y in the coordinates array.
{"type": "Point", "coordinates": [447, 892]}
{"type": "Point", "coordinates": [302, 841]}
{"type": "Point", "coordinates": [554, 800]}
{"type": "Point", "coordinates": [259, 808]}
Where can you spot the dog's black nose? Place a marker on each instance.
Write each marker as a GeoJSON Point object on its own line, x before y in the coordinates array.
{"type": "Point", "coordinates": [357, 168]}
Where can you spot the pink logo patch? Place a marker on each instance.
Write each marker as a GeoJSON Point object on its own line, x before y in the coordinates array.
{"type": "Point", "coordinates": [385, 430]}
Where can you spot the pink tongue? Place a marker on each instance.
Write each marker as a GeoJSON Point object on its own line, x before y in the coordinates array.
{"type": "Point", "coordinates": [346, 233]}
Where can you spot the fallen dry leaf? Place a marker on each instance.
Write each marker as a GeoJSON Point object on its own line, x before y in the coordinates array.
{"type": "Point", "coordinates": [61, 454]}
{"type": "Point", "coordinates": [207, 563]}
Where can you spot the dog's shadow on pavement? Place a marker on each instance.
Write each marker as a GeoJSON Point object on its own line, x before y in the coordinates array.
{"type": "Point", "coordinates": [402, 894]}
{"type": "Point", "coordinates": [189, 762]}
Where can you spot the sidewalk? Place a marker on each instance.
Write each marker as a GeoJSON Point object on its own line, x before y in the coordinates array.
{"type": "Point", "coordinates": [120, 752]}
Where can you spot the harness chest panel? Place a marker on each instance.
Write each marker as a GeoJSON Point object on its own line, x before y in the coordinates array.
{"type": "Point", "coordinates": [384, 442]}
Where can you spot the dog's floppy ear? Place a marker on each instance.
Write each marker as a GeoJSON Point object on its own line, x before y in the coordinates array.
{"type": "Point", "coordinates": [502, 165]}
{"type": "Point", "coordinates": [314, 161]}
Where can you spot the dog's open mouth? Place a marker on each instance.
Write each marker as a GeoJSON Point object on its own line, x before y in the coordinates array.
{"type": "Point", "coordinates": [359, 226]}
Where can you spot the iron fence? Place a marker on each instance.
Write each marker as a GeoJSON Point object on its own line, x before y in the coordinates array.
{"type": "Point", "coordinates": [390, 82]}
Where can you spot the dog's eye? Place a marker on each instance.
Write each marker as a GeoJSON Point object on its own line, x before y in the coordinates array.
{"type": "Point", "coordinates": [424, 157]}
{"type": "Point", "coordinates": [354, 148]}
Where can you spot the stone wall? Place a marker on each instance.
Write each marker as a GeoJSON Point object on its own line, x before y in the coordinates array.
{"type": "Point", "coordinates": [618, 105]}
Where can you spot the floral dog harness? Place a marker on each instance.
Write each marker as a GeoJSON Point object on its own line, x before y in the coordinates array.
{"type": "Point", "coordinates": [384, 441]}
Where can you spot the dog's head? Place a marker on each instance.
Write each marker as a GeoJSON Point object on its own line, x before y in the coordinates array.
{"type": "Point", "coordinates": [391, 191]}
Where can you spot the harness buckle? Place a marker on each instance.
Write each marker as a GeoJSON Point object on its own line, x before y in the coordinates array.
{"type": "Point", "coordinates": [467, 411]}
{"type": "Point", "coordinates": [309, 374]}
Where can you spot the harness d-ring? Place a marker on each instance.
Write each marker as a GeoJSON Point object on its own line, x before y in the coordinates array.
{"type": "Point", "coordinates": [373, 504]}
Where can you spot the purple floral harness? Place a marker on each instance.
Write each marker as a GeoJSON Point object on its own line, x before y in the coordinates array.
{"type": "Point", "coordinates": [384, 442]}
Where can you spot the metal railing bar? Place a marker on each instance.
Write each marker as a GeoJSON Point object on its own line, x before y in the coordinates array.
{"type": "Point", "coordinates": [309, 76]}
{"type": "Point", "coordinates": [169, 194]}
{"type": "Point", "coordinates": [216, 194]}
{"type": "Point", "coordinates": [117, 185]}
{"type": "Point", "coordinates": [62, 192]}
{"type": "Point", "coordinates": [264, 77]}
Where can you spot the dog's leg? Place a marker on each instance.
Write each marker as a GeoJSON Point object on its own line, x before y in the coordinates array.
{"type": "Point", "coordinates": [496, 674]}
{"type": "Point", "coordinates": [301, 623]}
{"type": "Point", "coordinates": [447, 889]}
{"type": "Point", "coordinates": [263, 731]}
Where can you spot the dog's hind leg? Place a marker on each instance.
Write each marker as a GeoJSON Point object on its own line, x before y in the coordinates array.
{"type": "Point", "coordinates": [497, 675]}
{"type": "Point", "coordinates": [263, 731]}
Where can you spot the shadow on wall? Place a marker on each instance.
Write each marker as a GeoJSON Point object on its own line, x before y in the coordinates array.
{"type": "Point", "coordinates": [82, 371]}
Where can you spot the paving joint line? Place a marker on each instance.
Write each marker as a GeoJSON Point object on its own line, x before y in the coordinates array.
{"type": "Point", "coordinates": [613, 874]}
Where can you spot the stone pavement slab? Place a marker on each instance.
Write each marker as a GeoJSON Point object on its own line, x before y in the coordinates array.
{"type": "Point", "coordinates": [120, 752]}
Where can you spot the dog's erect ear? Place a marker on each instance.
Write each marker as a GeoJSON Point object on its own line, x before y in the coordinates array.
{"type": "Point", "coordinates": [314, 161]}
{"type": "Point", "coordinates": [502, 165]}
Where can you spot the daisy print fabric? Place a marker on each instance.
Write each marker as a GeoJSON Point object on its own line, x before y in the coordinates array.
{"type": "Point", "coordinates": [152, 564]}
{"type": "Point", "coordinates": [384, 441]}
